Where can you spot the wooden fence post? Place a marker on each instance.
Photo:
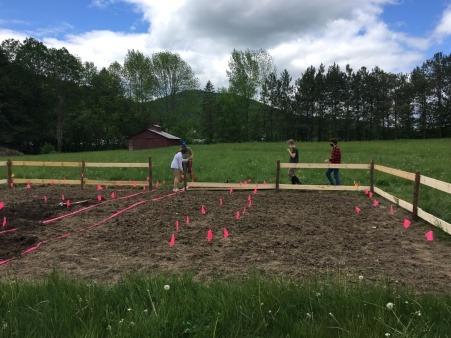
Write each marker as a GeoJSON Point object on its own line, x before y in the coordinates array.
{"type": "Point", "coordinates": [82, 173]}
{"type": "Point", "coordinates": [150, 173]}
{"type": "Point", "coordinates": [372, 176]}
{"type": "Point", "coordinates": [277, 174]}
{"type": "Point", "coordinates": [416, 190]}
{"type": "Point", "coordinates": [185, 175]}
{"type": "Point", "coordinates": [9, 163]}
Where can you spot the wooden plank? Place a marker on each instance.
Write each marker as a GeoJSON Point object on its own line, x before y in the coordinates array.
{"type": "Point", "coordinates": [403, 204]}
{"type": "Point", "coordinates": [116, 183]}
{"type": "Point", "coordinates": [436, 184]}
{"type": "Point", "coordinates": [3, 163]}
{"type": "Point", "coordinates": [321, 187]}
{"type": "Point", "coordinates": [45, 181]}
{"type": "Point", "coordinates": [431, 219]}
{"type": "Point", "coordinates": [227, 186]}
{"type": "Point", "coordinates": [45, 164]}
{"type": "Point", "coordinates": [115, 165]}
{"type": "Point", "coordinates": [395, 172]}
{"type": "Point", "coordinates": [324, 165]}
{"type": "Point", "coordinates": [4, 181]}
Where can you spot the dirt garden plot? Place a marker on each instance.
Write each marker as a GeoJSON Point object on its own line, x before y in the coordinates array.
{"type": "Point", "coordinates": [291, 233]}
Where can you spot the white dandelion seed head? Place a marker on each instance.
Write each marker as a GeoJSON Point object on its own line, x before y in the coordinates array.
{"type": "Point", "coordinates": [167, 287]}
{"type": "Point", "coordinates": [360, 277]}
{"type": "Point", "coordinates": [389, 305]}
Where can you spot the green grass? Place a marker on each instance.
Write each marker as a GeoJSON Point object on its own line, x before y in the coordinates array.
{"type": "Point", "coordinates": [324, 306]}
{"type": "Point", "coordinates": [250, 307]}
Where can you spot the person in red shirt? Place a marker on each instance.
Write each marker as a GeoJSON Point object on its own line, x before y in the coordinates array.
{"type": "Point", "coordinates": [335, 157]}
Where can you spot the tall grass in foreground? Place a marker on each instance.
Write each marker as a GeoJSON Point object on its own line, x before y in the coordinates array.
{"type": "Point", "coordinates": [167, 306]}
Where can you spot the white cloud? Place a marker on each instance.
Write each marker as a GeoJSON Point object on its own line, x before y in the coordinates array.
{"type": "Point", "coordinates": [298, 34]}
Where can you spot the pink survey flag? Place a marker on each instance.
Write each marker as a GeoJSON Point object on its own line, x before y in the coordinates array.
{"type": "Point", "coordinates": [406, 223]}
{"type": "Point", "coordinates": [226, 233]}
{"type": "Point", "coordinates": [241, 184]}
{"type": "Point", "coordinates": [370, 194]}
{"type": "Point", "coordinates": [430, 235]}
{"type": "Point", "coordinates": [99, 198]}
{"type": "Point", "coordinates": [209, 235]}
{"type": "Point", "coordinates": [356, 184]}
{"type": "Point", "coordinates": [244, 210]}
{"type": "Point", "coordinates": [255, 190]}
{"type": "Point", "coordinates": [231, 190]}
{"type": "Point", "coordinates": [2, 205]}
{"type": "Point", "coordinates": [4, 221]}
{"type": "Point", "coordinates": [45, 199]}
{"type": "Point", "coordinates": [28, 186]}
{"type": "Point", "coordinates": [62, 197]}
{"type": "Point", "coordinates": [220, 201]}
{"type": "Point", "coordinates": [144, 187]}
{"type": "Point", "coordinates": [134, 184]}
{"type": "Point", "coordinates": [357, 210]}
{"type": "Point", "coordinates": [147, 178]}
{"type": "Point", "coordinates": [365, 191]}
{"type": "Point", "coordinates": [187, 219]}
{"type": "Point", "coordinates": [67, 204]}
{"type": "Point", "coordinates": [375, 203]}
{"type": "Point", "coordinates": [99, 188]}
{"type": "Point", "coordinates": [391, 211]}
{"type": "Point", "coordinates": [202, 210]}
{"type": "Point", "coordinates": [53, 182]}
{"type": "Point", "coordinates": [113, 195]}
{"type": "Point", "coordinates": [176, 225]}
{"type": "Point", "coordinates": [157, 185]}
{"type": "Point", "coordinates": [249, 197]}
{"type": "Point", "coordinates": [172, 241]}
{"type": "Point", "coordinates": [237, 215]}
{"type": "Point", "coordinates": [249, 204]}
{"type": "Point", "coordinates": [11, 184]}
{"type": "Point", "coordinates": [264, 182]}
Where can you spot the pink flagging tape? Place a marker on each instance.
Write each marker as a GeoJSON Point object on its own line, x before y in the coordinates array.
{"type": "Point", "coordinates": [6, 261]}
{"type": "Point", "coordinates": [67, 215]}
{"type": "Point", "coordinates": [64, 236]}
{"type": "Point", "coordinates": [118, 213]}
{"type": "Point", "coordinates": [6, 231]}
{"type": "Point", "coordinates": [164, 196]}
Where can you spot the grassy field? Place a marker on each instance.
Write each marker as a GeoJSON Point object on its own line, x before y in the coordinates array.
{"type": "Point", "coordinates": [167, 306]}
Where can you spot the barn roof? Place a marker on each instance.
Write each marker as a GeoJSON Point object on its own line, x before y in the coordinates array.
{"type": "Point", "coordinates": [157, 130]}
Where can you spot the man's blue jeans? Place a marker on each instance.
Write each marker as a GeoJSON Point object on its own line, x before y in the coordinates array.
{"type": "Point", "coordinates": [336, 175]}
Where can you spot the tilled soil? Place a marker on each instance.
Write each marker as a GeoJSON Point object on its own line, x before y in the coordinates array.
{"type": "Point", "coordinates": [210, 234]}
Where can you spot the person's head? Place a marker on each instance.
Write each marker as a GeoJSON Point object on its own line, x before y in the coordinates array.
{"type": "Point", "coordinates": [290, 142]}
{"type": "Point", "coordinates": [183, 144]}
{"type": "Point", "coordinates": [184, 150]}
{"type": "Point", "coordinates": [333, 142]}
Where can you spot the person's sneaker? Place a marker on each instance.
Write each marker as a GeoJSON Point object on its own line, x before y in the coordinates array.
{"type": "Point", "coordinates": [175, 190]}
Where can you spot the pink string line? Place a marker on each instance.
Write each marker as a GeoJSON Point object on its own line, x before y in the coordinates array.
{"type": "Point", "coordinates": [86, 208]}
{"type": "Point", "coordinates": [5, 231]}
{"type": "Point", "coordinates": [6, 261]}
{"type": "Point", "coordinates": [118, 213]}
{"type": "Point", "coordinates": [164, 196]}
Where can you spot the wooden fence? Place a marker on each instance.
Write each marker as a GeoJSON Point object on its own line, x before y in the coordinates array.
{"type": "Point", "coordinates": [411, 207]}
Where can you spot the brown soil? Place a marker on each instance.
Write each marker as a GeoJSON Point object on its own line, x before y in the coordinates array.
{"type": "Point", "coordinates": [291, 233]}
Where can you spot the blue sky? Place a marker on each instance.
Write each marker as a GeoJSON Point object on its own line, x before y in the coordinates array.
{"type": "Point", "coordinates": [395, 35]}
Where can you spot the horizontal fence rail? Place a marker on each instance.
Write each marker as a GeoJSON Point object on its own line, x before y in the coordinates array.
{"type": "Point", "coordinates": [411, 207]}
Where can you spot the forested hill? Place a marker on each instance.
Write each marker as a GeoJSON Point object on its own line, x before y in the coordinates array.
{"type": "Point", "coordinates": [51, 100]}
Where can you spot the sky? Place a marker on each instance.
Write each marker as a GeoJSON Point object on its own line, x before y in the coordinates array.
{"type": "Point", "coordinates": [395, 35]}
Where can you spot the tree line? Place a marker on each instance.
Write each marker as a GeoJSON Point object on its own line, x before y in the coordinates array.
{"type": "Point", "coordinates": [52, 101]}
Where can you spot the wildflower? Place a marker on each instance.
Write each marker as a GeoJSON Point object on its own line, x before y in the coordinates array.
{"type": "Point", "coordinates": [418, 313]}
{"type": "Point", "coordinates": [360, 277]}
{"type": "Point", "coordinates": [167, 287]}
{"type": "Point", "coordinates": [387, 334]}
{"type": "Point", "coordinates": [145, 310]}
{"type": "Point", "coordinates": [129, 309]}
{"type": "Point", "coordinates": [318, 294]}
{"type": "Point", "coordinates": [308, 315]}
{"type": "Point", "coordinates": [389, 306]}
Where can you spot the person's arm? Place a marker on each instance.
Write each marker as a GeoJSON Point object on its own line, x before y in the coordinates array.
{"type": "Point", "coordinates": [292, 154]}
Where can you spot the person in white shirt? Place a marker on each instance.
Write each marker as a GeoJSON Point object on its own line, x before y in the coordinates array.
{"type": "Point", "coordinates": [177, 167]}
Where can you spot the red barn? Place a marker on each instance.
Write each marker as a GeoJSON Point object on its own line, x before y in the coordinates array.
{"type": "Point", "coordinates": [152, 137]}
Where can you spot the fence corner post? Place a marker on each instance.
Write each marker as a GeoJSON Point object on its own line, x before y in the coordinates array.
{"type": "Point", "coordinates": [372, 176]}
{"type": "Point", "coordinates": [9, 164]}
{"type": "Point", "coordinates": [82, 179]}
{"type": "Point", "coordinates": [150, 173]}
{"type": "Point", "coordinates": [277, 174]}
{"type": "Point", "coordinates": [416, 191]}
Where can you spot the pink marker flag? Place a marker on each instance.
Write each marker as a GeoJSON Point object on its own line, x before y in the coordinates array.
{"type": "Point", "coordinates": [209, 235]}
{"type": "Point", "coordinates": [144, 187]}
{"type": "Point", "coordinates": [172, 242]}
{"type": "Point", "coordinates": [147, 178]}
{"type": "Point", "coordinates": [391, 211]}
{"type": "Point", "coordinates": [45, 199]}
{"type": "Point", "coordinates": [357, 210]}
{"type": "Point", "coordinates": [226, 233]}
{"type": "Point", "coordinates": [249, 204]}
{"type": "Point", "coordinates": [4, 221]}
{"type": "Point", "coordinates": [28, 186]}
{"type": "Point", "coordinates": [2, 205]}
{"type": "Point", "coordinates": [62, 197]}
{"type": "Point", "coordinates": [231, 190]}
{"type": "Point", "coordinates": [67, 204]}
{"type": "Point", "coordinates": [176, 225]}
{"type": "Point", "coordinates": [255, 190]}
{"type": "Point", "coordinates": [202, 210]}
{"type": "Point", "coordinates": [157, 185]}
{"type": "Point", "coordinates": [220, 201]}
{"type": "Point", "coordinates": [264, 182]}
{"type": "Point", "coordinates": [370, 194]}
{"type": "Point", "coordinates": [187, 219]}
{"type": "Point", "coordinates": [53, 182]}
{"type": "Point", "coordinates": [430, 235]}
{"type": "Point", "coordinates": [406, 223]}
{"type": "Point", "coordinates": [134, 184]}
{"type": "Point", "coordinates": [375, 203]}
{"type": "Point", "coordinates": [241, 184]}
{"type": "Point", "coordinates": [99, 188]}
{"type": "Point", "coordinates": [237, 215]}
{"type": "Point", "coordinates": [365, 191]}
{"type": "Point", "coordinates": [113, 195]}
{"type": "Point", "coordinates": [356, 184]}
{"type": "Point", "coordinates": [99, 198]}
{"type": "Point", "coordinates": [249, 197]}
